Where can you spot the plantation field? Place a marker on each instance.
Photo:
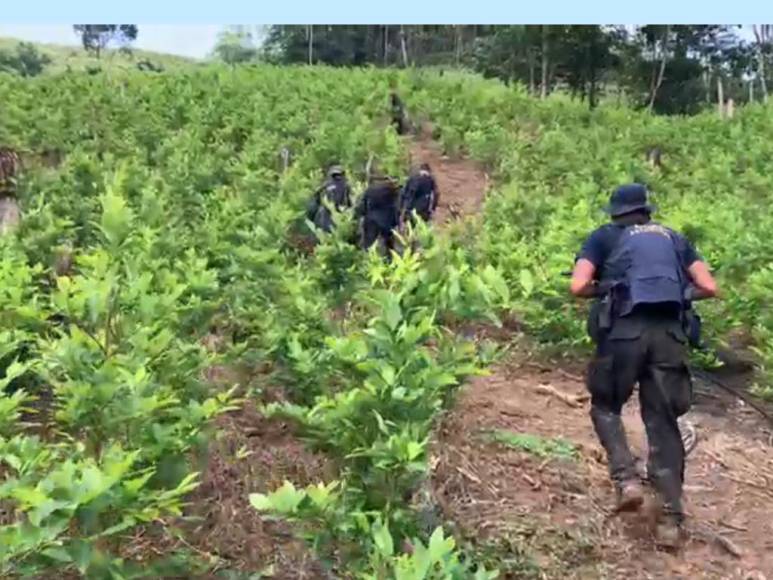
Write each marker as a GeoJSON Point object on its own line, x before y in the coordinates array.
{"type": "Point", "coordinates": [170, 195]}
{"type": "Point", "coordinates": [555, 164]}
{"type": "Point", "coordinates": [193, 302]}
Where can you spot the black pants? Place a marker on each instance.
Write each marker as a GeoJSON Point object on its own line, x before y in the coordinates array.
{"type": "Point", "coordinates": [373, 231]}
{"type": "Point", "coordinates": [423, 212]}
{"type": "Point", "coordinates": [653, 352]}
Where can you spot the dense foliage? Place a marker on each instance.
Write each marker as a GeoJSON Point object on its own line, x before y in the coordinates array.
{"type": "Point", "coordinates": [671, 69]}
{"type": "Point", "coordinates": [170, 197]}
{"type": "Point", "coordinates": [172, 201]}
{"type": "Point", "coordinates": [556, 164]}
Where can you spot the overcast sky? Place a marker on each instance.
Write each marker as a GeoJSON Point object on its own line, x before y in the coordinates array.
{"type": "Point", "coordinates": [194, 41]}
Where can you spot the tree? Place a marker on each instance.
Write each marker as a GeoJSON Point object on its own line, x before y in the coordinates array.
{"type": "Point", "coordinates": [96, 37]}
{"type": "Point", "coordinates": [510, 54]}
{"type": "Point", "coordinates": [235, 47]}
{"type": "Point", "coordinates": [763, 34]}
{"type": "Point", "coordinates": [678, 69]}
{"type": "Point", "coordinates": [25, 60]}
{"type": "Point", "coordinates": [586, 55]}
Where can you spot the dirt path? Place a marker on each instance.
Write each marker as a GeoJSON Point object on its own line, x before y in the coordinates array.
{"type": "Point", "coordinates": [461, 182]}
{"type": "Point", "coordinates": [536, 502]}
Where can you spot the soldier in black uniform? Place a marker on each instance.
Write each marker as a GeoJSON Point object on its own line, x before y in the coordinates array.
{"type": "Point", "coordinates": [420, 194]}
{"type": "Point", "coordinates": [398, 113]}
{"type": "Point", "coordinates": [644, 277]}
{"type": "Point", "coordinates": [337, 192]}
{"type": "Point", "coordinates": [379, 209]}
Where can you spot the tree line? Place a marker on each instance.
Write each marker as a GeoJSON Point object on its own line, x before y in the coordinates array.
{"type": "Point", "coordinates": [668, 69]}
{"type": "Point", "coordinates": [671, 69]}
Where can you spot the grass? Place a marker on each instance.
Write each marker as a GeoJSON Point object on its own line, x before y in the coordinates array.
{"type": "Point", "coordinates": [534, 444]}
{"type": "Point", "coordinates": [64, 58]}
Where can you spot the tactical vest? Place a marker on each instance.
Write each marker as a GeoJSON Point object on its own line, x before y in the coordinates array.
{"type": "Point", "coordinates": [644, 268]}
{"type": "Point", "coordinates": [335, 191]}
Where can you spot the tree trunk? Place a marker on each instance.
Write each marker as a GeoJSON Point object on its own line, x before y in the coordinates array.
{"type": "Point", "coordinates": [386, 43]}
{"type": "Point", "coordinates": [532, 80]}
{"type": "Point", "coordinates": [551, 77]}
{"type": "Point", "coordinates": [662, 71]}
{"type": "Point", "coordinates": [311, 43]}
{"type": "Point", "coordinates": [545, 62]}
{"type": "Point", "coordinates": [403, 46]}
{"type": "Point", "coordinates": [763, 83]}
{"type": "Point", "coordinates": [459, 44]}
{"type": "Point", "coordinates": [720, 96]}
{"type": "Point", "coordinates": [761, 35]}
{"type": "Point", "coordinates": [751, 91]}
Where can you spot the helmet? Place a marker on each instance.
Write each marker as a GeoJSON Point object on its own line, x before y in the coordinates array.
{"type": "Point", "coordinates": [335, 170]}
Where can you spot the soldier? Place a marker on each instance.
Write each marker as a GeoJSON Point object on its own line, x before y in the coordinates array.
{"type": "Point", "coordinates": [337, 192]}
{"type": "Point", "coordinates": [643, 276]}
{"type": "Point", "coordinates": [379, 209]}
{"type": "Point", "coordinates": [398, 113]}
{"type": "Point", "coordinates": [420, 194]}
{"type": "Point", "coordinates": [10, 214]}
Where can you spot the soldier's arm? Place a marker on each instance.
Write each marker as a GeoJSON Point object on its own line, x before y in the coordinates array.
{"type": "Point", "coordinates": [583, 284]}
{"type": "Point", "coordinates": [705, 286]}
{"type": "Point", "coordinates": [703, 283]}
{"type": "Point", "coordinates": [591, 256]}
{"type": "Point", "coordinates": [435, 195]}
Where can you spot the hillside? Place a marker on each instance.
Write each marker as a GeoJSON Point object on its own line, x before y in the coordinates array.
{"type": "Point", "coordinates": [76, 58]}
{"type": "Point", "coordinates": [195, 385]}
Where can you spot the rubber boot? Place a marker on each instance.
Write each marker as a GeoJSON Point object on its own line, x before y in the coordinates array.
{"type": "Point", "coordinates": [668, 534]}
{"type": "Point", "coordinates": [630, 496]}
{"type": "Point", "coordinates": [609, 429]}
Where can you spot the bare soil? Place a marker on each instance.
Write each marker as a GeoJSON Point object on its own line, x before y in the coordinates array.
{"type": "Point", "coordinates": [462, 183]}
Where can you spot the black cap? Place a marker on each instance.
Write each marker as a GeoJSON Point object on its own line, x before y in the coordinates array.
{"type": "Point", "coordinates": [628, 199]}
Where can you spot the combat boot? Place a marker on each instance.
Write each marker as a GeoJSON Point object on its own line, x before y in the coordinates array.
{"type": "Point", "coordinates": [668, 533]}
{"type": "Point", "coordinates": [630, 496]}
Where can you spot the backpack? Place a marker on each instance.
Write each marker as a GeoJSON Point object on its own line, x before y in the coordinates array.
{"type": "Point", "coordinates": [644, 267]}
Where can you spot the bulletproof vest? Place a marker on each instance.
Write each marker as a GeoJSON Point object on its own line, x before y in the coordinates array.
{"type": "Point", "coordinates": [335, 192]}
{"type": "Point", "coordinates": [644, 269]}
{"type": "Point", "coordinates": [382, 204]}
{"type": "Point", "coordinates": [381, 197]}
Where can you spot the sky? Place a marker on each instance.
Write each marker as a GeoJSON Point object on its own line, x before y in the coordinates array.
{"type": "Point", "coordinates": [194, 41]}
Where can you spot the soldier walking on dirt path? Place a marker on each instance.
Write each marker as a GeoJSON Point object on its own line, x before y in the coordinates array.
{"type": "Point", "coordinates": [420, 194]}
{"type": "Point", "coordinates": [643, 277]}
{"type": "Point", "coordinates": [379, 209]}
{"type": "Point", "coordinates": [398, 113]}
